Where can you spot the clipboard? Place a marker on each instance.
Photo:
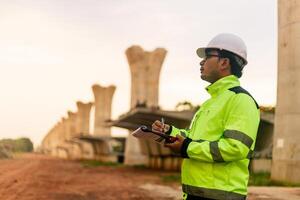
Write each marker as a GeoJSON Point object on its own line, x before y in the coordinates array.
{"type": "Point", "coordinates": [143, 132]}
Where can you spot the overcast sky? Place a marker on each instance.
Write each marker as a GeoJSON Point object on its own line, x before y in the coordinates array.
{"type": "Point", "coordinates": [53, 51]}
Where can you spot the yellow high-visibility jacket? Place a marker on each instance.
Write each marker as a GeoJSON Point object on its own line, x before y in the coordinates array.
{"type": "Point", "coordinates": [219, 143]}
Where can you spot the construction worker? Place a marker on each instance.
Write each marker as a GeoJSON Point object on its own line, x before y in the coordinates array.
{"type": "Point", "coordinates": [220, 140]}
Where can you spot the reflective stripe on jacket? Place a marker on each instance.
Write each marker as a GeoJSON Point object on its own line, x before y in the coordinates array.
{"type": "Point", "coordinates": [219, 142]}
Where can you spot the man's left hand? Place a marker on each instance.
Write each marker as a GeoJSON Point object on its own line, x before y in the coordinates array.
{"type": "Point", "coordinates": [176, 146]}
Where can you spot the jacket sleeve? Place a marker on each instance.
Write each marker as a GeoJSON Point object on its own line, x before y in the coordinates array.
{"type": "Point", "coordinates": [238, 139]}
{"type": "Point", "coordinates": [175, 131]}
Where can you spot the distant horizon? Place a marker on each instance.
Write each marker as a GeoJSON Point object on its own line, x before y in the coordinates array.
{"type": "Point", "coordinates": [122, 134]}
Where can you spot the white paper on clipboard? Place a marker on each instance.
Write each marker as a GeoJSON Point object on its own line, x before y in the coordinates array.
{"type": "Point", "coordinates": [142, 133]}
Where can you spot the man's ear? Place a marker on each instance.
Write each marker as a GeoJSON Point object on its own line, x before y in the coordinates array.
{"type": "Point", "coordinates": [225, 64]}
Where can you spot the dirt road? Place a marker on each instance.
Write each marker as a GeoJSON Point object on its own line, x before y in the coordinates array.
{"type": "Point", "coordinates": [39, 177]}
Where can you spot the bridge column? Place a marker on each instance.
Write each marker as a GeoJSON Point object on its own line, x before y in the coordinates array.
{"type": "Point", "coordinates": [286, 145]}
{"type": "Point", "coordinates": [145, 70]}
{"type": "Point", "coordinates": [83, 118]}
{"type": "Point", "coordinates": [103, 101]}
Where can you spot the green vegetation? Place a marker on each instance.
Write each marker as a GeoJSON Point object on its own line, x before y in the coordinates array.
{"type": "Point", "coordinates": [17, 145]}
{"type": "Point", "coordinates": [9, 146]}
{"type": "Point", "coordinates": [270, 109]}
{"type": "Point", "coordinates": [171, 178]}
{"type": "Point", "coordinates": [141, 166]}
{"type": "Point", "coordinates": [264, 179]}
{"type": "Point", "coordinates": [96, 163]}
{"type": "Point", "coordinates": [4, 152]}
{"type": "Point", "coordinates": [186, 105]}
{"type": "Point", "coordinates": [259, 179]}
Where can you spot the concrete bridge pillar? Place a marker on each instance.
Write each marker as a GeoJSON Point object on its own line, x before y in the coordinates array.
{"type": "Point", "coordinates": [83, 118]}
{"type": "Point", "coordinates": [72, 123]}
{"type": "Point", "coordinates": [46, 143]}
{"type": "Point", "coordinates": [145, 70]}
{"type": "Point", "coordinates": [83, 128]}
{"type": "Point", "coordinates": [286, 146]}
{"type": "Point", "coordinates": [103, 101]}
{"type": "Point", "coordinates": [67, 127]}
{"type": "Point", "coordinates": [55, 138]}
{"type": "Point", "coordinates": [59, 138]}
{"type": "Point", "coordinates": [64, 131]}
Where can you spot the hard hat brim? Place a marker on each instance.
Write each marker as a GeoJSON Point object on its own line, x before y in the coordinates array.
{"type": "Point", "coordinates": [201, 52]}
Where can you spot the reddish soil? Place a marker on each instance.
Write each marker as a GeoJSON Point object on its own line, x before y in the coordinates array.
{"type": "Point", "coordinates": [39, 177]}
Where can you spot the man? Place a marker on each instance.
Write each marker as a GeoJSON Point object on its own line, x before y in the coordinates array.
{"type": "Point", "coordinates": [221, 138]}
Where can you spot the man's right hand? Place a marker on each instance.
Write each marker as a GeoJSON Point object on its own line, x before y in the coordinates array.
{"type": "Point", "coordinates": [160, 127]}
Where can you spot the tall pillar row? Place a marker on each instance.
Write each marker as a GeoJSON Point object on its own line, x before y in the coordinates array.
{"type": "Point", "coordinates": [53, 138]}
{"type": "Point", "coordinates": [286, 146]}
{"type": "Point", "coordinates": [145, 69]}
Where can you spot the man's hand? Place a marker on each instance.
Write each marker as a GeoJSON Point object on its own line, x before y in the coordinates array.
{"type": "Point", "coordinates": [160, 127]}
{"type": "Point", "coordinates": [176, 146]}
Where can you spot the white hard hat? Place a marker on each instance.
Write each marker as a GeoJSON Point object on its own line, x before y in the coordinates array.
{"type": "Point", "coordinates": [228, 42]}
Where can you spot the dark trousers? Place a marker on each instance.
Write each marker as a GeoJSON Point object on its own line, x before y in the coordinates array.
{"type": "Point", "coordinates": [191, 197]}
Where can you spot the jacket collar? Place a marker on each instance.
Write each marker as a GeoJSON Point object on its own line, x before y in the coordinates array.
{"type": "Point", "coordinates": [222, 84]}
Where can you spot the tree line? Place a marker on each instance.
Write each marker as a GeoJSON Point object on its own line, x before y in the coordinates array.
{"type": "Point", "coordinates": [10, 146]}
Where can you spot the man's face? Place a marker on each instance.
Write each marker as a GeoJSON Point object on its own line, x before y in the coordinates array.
{"type": "Point", "coordinates": [210, 69]}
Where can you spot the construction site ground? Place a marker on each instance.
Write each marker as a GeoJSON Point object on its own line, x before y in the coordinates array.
{"type": "Point", "coordinates": [40, 177]}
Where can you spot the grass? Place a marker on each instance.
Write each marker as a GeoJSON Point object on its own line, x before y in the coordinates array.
{"type": "Point", "coordinates": [96, 163]}
{"type": "Point", "coordinates": [259, 179]}
{"type": "Point", "coordinates": [264, 179]}
{"type": "Point", "coordinates": [140, 166]}
{"type": "Point", "coordinates": [171, 178]}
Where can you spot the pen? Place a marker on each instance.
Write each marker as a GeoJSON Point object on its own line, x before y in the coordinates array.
{"type": "Point", "coordinates": [163, 124]}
